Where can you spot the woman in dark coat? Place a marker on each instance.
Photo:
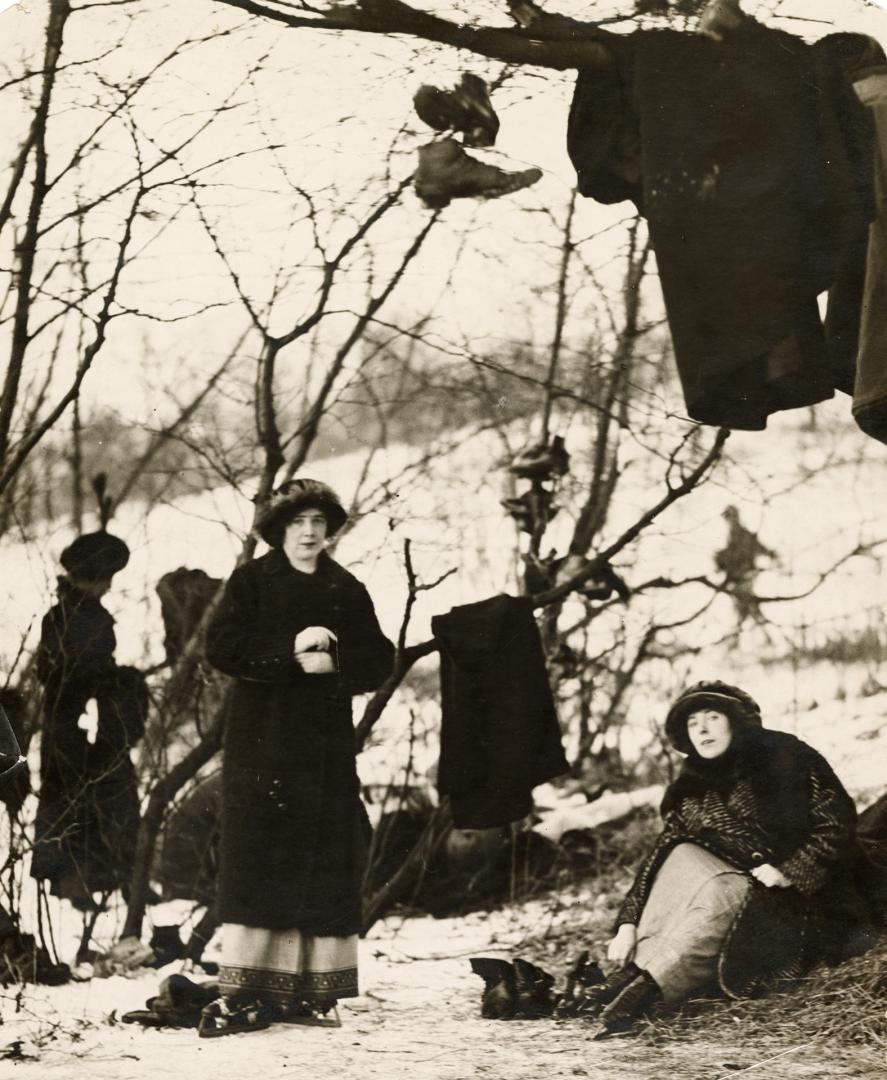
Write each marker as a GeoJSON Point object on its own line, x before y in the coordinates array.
{"type": "Point", "coordinates": [743, 886]}
{"type": "Point", "coordinates": [88, 813]}
{"type": "Point", "coordinates": [300, 636]}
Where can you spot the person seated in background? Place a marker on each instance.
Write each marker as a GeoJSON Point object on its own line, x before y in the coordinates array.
{"type": "Point", "coordinates": [751, 878]}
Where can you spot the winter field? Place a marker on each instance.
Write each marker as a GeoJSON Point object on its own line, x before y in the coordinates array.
{"type": "Point", "coordinates": [418, 1016]}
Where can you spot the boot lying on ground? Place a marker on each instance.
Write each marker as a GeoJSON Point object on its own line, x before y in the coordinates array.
{"type": "Point", "coordinates": [583, 975]}
{"type": "Point", "coordinates": [466, 108]}
{"type": "Point", "coordinates": [498, 1000]}
{"type": "Point", "coordinates": [446, 172]}
{"type": "Point", "coordinates": [534, 998]}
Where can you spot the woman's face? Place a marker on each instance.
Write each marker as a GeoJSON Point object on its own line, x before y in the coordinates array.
{"type": "Point", "coordinates": [304, 538]}
{"type": "Point", "coordinates": [709, 732]}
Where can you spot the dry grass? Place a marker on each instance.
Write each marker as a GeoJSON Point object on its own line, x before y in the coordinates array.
{"type": "Point", "coordinates": [842, 1006]}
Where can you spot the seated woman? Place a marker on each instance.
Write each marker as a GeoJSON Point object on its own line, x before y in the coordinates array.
{"type": "Point", "coordinates": [742, 885]}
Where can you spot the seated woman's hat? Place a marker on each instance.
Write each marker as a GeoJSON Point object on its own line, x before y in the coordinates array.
{"type": "Point", "coordinates": [291, 498]}
{"type": "Point", "coordinates": [730, 700]}
{"type": "Point", "coordinates": [95, 556]}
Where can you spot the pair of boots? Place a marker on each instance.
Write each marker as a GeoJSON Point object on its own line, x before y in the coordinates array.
{"type": "Point", "coordinates": [615, 1002]}
{"type": "Point", "coordinates": [445, 171]}
{"type": "Point", "coordinates": [517, 990]}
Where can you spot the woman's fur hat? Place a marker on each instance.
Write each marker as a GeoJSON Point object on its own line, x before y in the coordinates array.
{"type": "Point", "coordinates": [290, 499]}
{"type": "Point", "coordinates": [735, 703]}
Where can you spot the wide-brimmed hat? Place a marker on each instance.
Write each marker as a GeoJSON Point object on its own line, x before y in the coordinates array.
{"type": "Point", "coordinates": [739, 706]}
{"type": "Point", "coordinates": [294, 496]}
{"type": "Point", "coordinates": [95, 556]}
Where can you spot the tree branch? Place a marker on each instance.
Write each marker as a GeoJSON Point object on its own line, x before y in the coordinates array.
{"type": "Point", "coordinates": [543, 44]}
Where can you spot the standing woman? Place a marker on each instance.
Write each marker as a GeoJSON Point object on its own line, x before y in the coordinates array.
{"type": "Point", "coordinates": [299, 634]}
{"type": "Point", "coordinates": [88, 813]}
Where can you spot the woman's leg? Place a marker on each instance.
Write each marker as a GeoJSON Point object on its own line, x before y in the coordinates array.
{"type": "Point", "coordinates": [691, 907]}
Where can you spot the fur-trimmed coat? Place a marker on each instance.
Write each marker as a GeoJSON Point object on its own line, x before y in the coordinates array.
{"type": "Point", "coordinates": [773, 800]}
{"type": "Point", "coordinates": [293, 825]}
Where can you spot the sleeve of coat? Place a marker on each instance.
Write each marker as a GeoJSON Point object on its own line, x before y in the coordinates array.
{"type": "Point", "coordinates": [364, 655]}
{"type": "Point", "coordinates": [239, 641]}
{"type": "Point", "coordinates": [833, 818]}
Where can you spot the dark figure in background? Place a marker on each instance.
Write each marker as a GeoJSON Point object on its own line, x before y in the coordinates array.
{"type": "Point", "coordinates": [88, 813]}
{"type": "Point", "coordinates": [738, 562]}
{"type": "Point", "coordinates": [752, 876]}
{"type": "Point", "coordinates": [299, 634]}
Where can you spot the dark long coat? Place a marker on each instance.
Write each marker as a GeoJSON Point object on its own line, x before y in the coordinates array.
{"type": "Point", "coordinates": [293, 826]}
{"type": "Point", "coordinates": [88, 813]}
{"type": "Point", "coordinates": [777, 801]}
{"type": "Point", "coordinates": [751, 160]}
{"type": "Point", "coordinates": [499, 730]}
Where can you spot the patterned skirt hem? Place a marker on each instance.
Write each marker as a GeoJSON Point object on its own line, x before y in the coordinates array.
{"type": "Point", "coordinates": [285, 986]}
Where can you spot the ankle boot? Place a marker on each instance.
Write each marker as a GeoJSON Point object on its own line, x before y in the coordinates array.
{"type": "Point", "coordinates": [499, 995]}
{"type": "Point", "coordinates": [631, 1004]}
{"type": "Point", "coordinates": [533, 995]}
{"type": "Point", "coordinates": [446, 172]}
{"type": "Point", "coordinates": [467, 109]}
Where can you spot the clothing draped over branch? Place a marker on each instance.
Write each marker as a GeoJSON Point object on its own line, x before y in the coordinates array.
{"type": "Point", "coordinates": [751, 158]}
{"type": "Point", "coordinates": [499, 729]}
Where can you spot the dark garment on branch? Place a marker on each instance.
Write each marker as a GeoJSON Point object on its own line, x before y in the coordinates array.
{"type": "Point", "coordinates": [88, 812]}
{"type": "Point", "coordinates": [870, 393]}
{"type": "Point", "coordinates": [294, 830]}
{"type": "Point", "coordinates": [754, 172]}
{"type": "Point", "coordinates": [499, 730]}
{"type": "Point", "coordinates": [184, 597]}
{"type": "Point", "coordinates": [770, 799]}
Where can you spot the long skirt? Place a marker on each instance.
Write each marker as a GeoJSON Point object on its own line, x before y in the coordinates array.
{"type": "Point", "coordinates": [694, 899]}
{"type": "Point", "coordinates": [287, 966]}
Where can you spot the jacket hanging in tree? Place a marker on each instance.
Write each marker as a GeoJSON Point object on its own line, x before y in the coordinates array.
{"type": "Point", "coordinates": [870, 393]}
{"type": "Point", "coordinates": [751, 159]}
{"type": "Point", "coordinates": [499, 730]}
{"type": "Point", "coordinates": [294, 830]}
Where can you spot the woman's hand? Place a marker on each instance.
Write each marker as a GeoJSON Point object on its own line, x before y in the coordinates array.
{"type": "Point", "coordinates": [314, 637]}
{"type": "Point", "coordinates": [771, 877]}
{"type": "Point", "coordinates": [621, 948]}
{"type": "Point", "coordinates": [315, 663]}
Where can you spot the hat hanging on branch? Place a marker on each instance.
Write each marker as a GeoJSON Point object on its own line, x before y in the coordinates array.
{"type": "Point", "coordinates": [97, 556]}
